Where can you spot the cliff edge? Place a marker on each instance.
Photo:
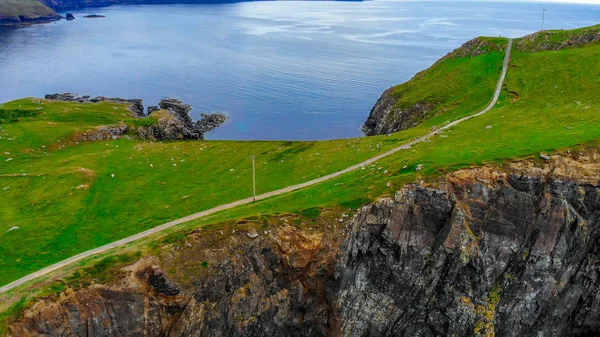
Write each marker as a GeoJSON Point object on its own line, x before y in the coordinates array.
{"type": "Point", "coordinates": [449, 84]}
{"type": "Point", "coordinates": [486, 251]}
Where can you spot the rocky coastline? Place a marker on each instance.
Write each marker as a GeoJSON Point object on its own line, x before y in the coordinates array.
{"type": "Point", "coordinates": [28, 19]}
{"type": "Point", "coordinates": [170, 120]}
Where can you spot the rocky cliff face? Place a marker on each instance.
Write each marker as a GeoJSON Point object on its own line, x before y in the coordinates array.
{"type": "Point", "coordinates": [511, 252]}
{"type": "Point", "coordinates": [249, 283]}
{"type": "Point", "coordinates": [386, 117]}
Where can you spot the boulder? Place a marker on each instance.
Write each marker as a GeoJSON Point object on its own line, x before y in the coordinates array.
{"type": "Point", "coordinates": [152, 108]}
{"type": "Point", "coordinates": [176, 106]}
{"type": "Point", "coordinates": [210, 122]}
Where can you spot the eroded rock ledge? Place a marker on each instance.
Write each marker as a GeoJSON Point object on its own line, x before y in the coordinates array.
{"type": "Point", "coordinates": [171, 121]}
{"type": "Point", "coordinates": [486, 251]}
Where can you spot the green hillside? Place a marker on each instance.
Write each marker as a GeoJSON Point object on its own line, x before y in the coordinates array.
{"type": "Point", "coordinates": [459, 82]}
{"type": "Point", "coordinates": [62, 194]}
{"type": "Point", "coordinates": [11, 10]}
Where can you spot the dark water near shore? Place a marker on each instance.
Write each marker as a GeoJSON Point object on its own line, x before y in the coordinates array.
{"type": "Point", "coordinates": [281, 70]}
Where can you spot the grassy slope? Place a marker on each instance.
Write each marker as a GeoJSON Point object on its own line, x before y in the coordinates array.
{"type": "Point", "coordinates": [557, 109]}
{"type": "Point", "coordinates": [154, 182]}
{"type": "Point", "coordinates": [456, 86]}
{"type": "Point", "coordinates": [12, 8]}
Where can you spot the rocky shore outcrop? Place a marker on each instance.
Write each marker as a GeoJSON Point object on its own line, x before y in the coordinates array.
{"type": "Point", "coordinates": [136, 105]}
{"type": "Point", "coordinates": [171, 121]}
{"type": "Point", "coordinates": [482, 252]}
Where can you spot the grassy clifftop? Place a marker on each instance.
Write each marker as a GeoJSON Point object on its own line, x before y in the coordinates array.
{"type": "Point", "coordinates": [453, 87]}
{"type": "Point", "coordinates": [19, 11]}
{"type": "Point", "coordinates": [449, 86]}
{"type": "Point", "coordinates": [558, 39]}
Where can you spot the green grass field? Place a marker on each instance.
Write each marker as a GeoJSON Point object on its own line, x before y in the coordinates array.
{"type": "Point", "coordinates": [64, 199]}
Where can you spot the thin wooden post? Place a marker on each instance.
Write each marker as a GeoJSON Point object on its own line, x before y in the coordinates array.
{"type": "Point", "coordinates": [253, 179]}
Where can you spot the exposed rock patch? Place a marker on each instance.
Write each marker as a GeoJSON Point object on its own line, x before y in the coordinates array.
{"type": "Point", "coordinates": [171, 121]}
{"type": "Point", "coordinates": [386, 117]}
{"type": "Point", "coordinates": [158, 280]}
{"type": "Point", "coordinates": [102, 133]}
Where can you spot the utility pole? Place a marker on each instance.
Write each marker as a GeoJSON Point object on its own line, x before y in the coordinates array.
{"type": "Point", "coordinates": [253, 179]}
{"type": "Point", "coordinates": [543, 17]}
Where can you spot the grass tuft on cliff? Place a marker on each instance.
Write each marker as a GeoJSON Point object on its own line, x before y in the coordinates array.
{"type": "Point", "coordinates": [64, 199]}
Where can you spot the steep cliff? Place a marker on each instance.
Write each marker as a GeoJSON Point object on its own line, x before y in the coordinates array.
{"type": "Point", "coordinates": [385, 117]}
{"type": "Point", "coordinates": [487, 251]}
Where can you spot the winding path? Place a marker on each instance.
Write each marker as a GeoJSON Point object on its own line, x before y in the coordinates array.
{"type": "Point", "coordinates": [285, 190]}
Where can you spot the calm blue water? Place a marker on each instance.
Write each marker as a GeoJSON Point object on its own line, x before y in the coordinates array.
{"type": "Point", "coordinates": [281, 70]}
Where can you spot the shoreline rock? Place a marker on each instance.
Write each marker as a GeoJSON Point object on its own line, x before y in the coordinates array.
{"type": "Point", "coordinates": [26, 19]}
{"type": "Point", "coordinates": [170, 120]}
{"type": "Point", "coordinates": [173, 121]}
